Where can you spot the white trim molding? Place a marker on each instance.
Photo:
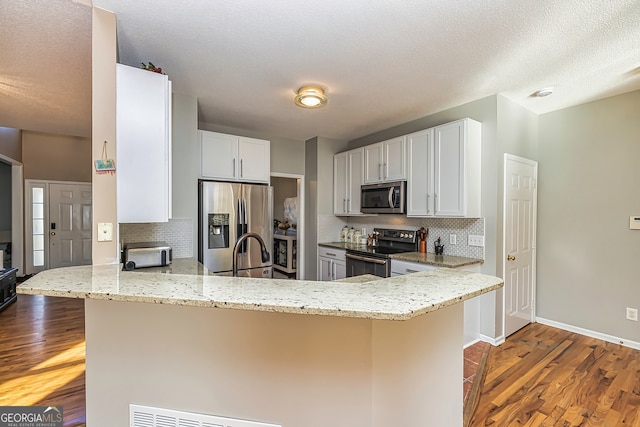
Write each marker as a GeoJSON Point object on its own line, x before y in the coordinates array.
{"type": "Point", "coordinates": [493, 341]}
{"type": "Point", "coordinates": [589, 333]}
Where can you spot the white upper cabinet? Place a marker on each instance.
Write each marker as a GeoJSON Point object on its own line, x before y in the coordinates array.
{"type": "Point", "coordinates": [444, 170]}
{"type": "Point", "coordinates": [420, 172]}
{"type": "Point", "coordinates": [143, 145]}
{"type": "Point", "coordinates": [347, 179]}
{"type": "Point", "coordinates": [234, 158]}
{"type": "Point", "coordinates": [385, 161]}
{"type": "Point", "coordinates": [457, 159]}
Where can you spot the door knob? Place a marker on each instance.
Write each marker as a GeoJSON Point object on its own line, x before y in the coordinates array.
{"type": "Point", "coordinates": [511, 258]}
{"type": "Point", "coordinates": [53, 233]}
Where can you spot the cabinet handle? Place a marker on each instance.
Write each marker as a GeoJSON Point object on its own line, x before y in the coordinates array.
{"type": "Point", "coordinates": [330, 254]}
{"type": "Point", "coordinates": [379, 170]}
{"type": "Point", "coordinates": [427, 203]}
{"type": "Point", "coordinates": [344, 205]}
{"type": "Point", "coordinates": [234, 166]}
{"type": "Point", "coordinates": [435, 203]}
{"type": "Point", "coordinates": [348, 206]}
{"type": "Point", "coordinates": [241, 169]}
{"type": "Point", "coordinates": [384, 171]}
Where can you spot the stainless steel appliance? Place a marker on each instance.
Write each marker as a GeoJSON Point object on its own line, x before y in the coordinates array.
{"type": "Point", "coordinates": [384, 198]}
{"type": "Point", "coordinates": [146, 254]}
{"type": "Point", "coordinates": [376, 260]}
{"type": "Point", "coordinates": [227, 211]}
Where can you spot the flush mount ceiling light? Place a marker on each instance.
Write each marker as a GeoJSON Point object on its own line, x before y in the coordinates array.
{"type": "Point", "coordinates": [310, 97]}
{"type": "Point", "coordinates": [541, 93]}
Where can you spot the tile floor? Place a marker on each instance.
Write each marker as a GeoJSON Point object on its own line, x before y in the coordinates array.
{"type": "Point", "coordinates": [472, 356]}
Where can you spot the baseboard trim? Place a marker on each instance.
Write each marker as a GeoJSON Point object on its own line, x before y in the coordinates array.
{"type": "Point", "coordinates": [493, 341]}
{"type": "Point", "coordinates": [589, 333]}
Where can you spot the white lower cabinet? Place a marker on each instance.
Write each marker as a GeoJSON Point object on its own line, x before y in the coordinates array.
{"type": "Point", "coordinates": [331, 264]}
{"type": "Point", "coordinates": [398, 268]}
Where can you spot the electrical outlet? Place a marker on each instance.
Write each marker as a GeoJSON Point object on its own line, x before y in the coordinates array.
{"type": "Point", "coordinates": [476, 240]}
{"type": "Point", "coordinates": [632, 314]}
{"type": "Point", "coordinates": [452, 239]}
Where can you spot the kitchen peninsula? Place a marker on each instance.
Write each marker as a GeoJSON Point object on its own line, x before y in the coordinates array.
{"type": "Point", "coordinates": [292, 353]}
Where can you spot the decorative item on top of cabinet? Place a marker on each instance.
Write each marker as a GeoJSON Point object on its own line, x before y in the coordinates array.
{"type": "Point", "coordinates": [143, 145]}
{"type": "Point", "coordinates": [234, 158]}
{"type": "Point", "coordinates": [347, 179]}
{"type": "Point", "coordinates": [444, 177]}
{"type": "Point", "coordinates": [385, 161]}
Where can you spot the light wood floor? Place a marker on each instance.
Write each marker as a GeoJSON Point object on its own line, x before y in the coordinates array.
{"type": "Point", "coordinates": [543, 376]}
{"type": "Point", "coordinates": [42, 355]}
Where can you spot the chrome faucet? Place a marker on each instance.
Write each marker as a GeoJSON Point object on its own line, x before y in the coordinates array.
{"type": "Point", "coordinates": [245, 236]}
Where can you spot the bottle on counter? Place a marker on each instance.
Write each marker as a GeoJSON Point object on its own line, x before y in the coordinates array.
{"type": "Point", "coordinates": [356, 237]}
{"type": "Point", "coordinates": [343, 233]}
{"type": "Point", "coordinates": [350, 235]}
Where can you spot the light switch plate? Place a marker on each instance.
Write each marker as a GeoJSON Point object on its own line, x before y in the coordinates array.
{"type": "Point", "coordinates": [634, 222]}
{"type": "Point", "coordinates": [105, 232]}
{"type": "Point", "coordinates": [476, 240]}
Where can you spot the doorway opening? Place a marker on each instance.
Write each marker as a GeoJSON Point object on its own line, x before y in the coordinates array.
{"type": "Point", "coordinates": [288, 208]}
{"type": "Point", "coordinates": [11, 215]}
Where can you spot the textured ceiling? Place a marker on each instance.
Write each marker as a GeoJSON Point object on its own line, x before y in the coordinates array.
{"type": "Point", "coordinates": [381, 62]}
{"type": "Point", "coordinates": [45, 66]}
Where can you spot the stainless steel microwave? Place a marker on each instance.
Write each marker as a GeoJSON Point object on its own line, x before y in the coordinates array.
{"type": "Point", "coordinates": [384, 198]}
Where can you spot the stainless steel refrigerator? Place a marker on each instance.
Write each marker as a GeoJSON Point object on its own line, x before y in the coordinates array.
{"type": "Point", "coordinates": [226, 212]}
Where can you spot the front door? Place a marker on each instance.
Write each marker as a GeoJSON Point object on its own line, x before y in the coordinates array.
{"type": "Point", "coordinates": [519, 241]}
{"type": "Point", "coordinates": [69, 224]}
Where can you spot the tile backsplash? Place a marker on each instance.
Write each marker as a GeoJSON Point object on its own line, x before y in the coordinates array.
{"type": "Point", "coordinates": [329, 230]}
{"type": "Point", "coordinates": [178, 233]}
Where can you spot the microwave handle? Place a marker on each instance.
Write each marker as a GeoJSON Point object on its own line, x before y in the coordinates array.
{"type": "Point", "coordinates": [391, 198]}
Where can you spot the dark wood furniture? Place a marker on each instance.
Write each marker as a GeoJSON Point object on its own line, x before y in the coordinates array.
{"type": "Point", "coordinates": [7, 287]}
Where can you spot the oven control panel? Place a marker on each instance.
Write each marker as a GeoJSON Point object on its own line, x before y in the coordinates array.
{"type": "Point", "coordinates": [405, 236]}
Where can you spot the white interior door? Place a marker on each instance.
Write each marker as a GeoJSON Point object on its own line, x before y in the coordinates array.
{"type": "Point", "coordinates": [69, 225]}
{"type": "Point", "coordinates": [520, 194]}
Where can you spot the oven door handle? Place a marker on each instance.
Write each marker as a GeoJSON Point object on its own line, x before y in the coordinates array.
{"type": "Point", "coordinates": [366, 259]}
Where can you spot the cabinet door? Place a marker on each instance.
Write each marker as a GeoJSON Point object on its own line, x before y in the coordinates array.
{"type": "Point", "coordinates": [449, 169]}
{"type": "Point", "coordinates": [420, 173]}
{"type": "Point", "coordinates": [143, 145]}
{"type": "Point", "coordinates": [373, 163]}
{"type": "Point", "coordinates": [394, 159]}
{"type": "Point", "coordinates": [325, 266]}
{"type": "Point", "coordinates": [218, 155]}
{"type": "Point", "coordinates": [355, 166]}
{"type": "Point", "coordinates": [339, 270]}
{"type": "Point", "coordinates": [254, 157]}
{"type": "Point", "coordinates": [340, 184]}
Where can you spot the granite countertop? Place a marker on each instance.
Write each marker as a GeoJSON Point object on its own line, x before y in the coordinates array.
{"type": "Point", "coordinates": [449, 261]}
{"type": "Point", "coordinates": [394, 298]}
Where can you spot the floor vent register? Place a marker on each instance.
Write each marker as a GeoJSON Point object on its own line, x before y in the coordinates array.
{"type": "Point", "coordinates": [147, 416]}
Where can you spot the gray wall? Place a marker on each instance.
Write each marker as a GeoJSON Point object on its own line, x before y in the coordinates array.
{"type": "Point", "coordinates": [311, 209]}
{"type": "Point", "coordinates": [5, 199]}
{"type": "Point", "coordinates": [588, 259]}
{"type": "Point", "coordinates": [11, 143]}
{"type": "Point", "coordinates": [318, 194]}
{"type": "Point", "coordinates": [58, 157]}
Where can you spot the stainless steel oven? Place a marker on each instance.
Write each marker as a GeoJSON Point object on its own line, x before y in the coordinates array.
{"type": "Point", "coordinates": [358, 264]}
{"type": "Point", "coordinates": [376, 259]}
